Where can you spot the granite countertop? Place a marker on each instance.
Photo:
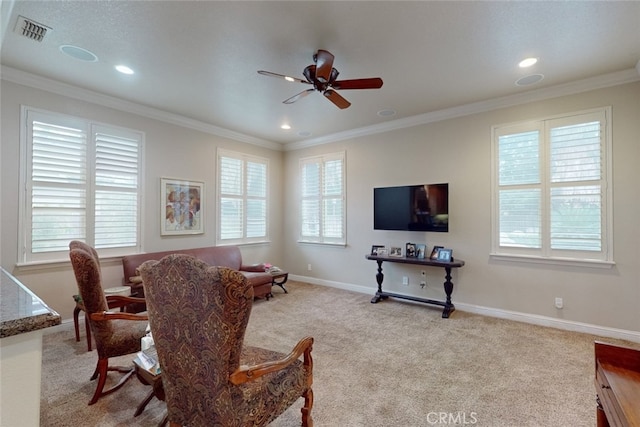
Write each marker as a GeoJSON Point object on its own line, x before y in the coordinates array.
{"type": "Point", "coordinates": [21, 310]}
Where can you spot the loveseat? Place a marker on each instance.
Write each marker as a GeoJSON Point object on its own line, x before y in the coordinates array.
{"type": "Point", "coordinates": [226, 256]}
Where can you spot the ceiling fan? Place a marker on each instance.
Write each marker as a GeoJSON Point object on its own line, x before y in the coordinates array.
{"type": "Point", "coordinates": [322, 76]}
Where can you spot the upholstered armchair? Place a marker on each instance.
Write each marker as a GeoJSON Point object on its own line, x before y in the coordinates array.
{"type": "Point", "coordinates": [115, 333]}
{"type": "Point", "coordinates": [198, 316]}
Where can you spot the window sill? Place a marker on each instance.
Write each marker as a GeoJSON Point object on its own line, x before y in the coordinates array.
{"type": "Point", "coordinates": [311, 242]}
{"type": "Point", "coordinates": [568, 262]}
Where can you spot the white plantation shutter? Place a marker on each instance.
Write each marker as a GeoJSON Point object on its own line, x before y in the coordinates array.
{"type": "Point", "coordinates": [551, 185]}
{"type": "Point", "coordinates": [243, 198]}
{"type": "Point", "coordinates": [82, 182]}
{"type": "Point", "coordinates": [58, 186]}
{"type": "Point", "coordinates": [116, 189]}
{"type": "Point", "coordinates": [322, 206]}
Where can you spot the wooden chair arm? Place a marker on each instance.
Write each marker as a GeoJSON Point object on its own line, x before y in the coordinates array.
{"type": "Point", "coordinates": [113, 315]}
{"type": "Point", "coordinates": [248, 373]}
{"type": "Point", "coordinates": [115, 301]}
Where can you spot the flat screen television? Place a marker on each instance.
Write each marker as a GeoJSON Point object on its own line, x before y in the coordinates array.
{"type": "Point", "coordinates": [422, 207]}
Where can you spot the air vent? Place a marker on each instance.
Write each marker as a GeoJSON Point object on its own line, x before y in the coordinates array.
{"type": "Point", "coordinates": [31, 29]}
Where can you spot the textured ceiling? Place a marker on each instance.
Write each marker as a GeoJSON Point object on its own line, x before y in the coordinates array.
{"type": "Point", "coordinates": [198, 59]}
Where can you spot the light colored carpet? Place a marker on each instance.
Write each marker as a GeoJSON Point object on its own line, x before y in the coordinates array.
{"type": "Point", "coordinates": [394, 363]}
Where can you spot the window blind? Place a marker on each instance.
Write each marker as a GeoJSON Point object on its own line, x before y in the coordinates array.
{"type": "Point", "coordinates": [243, 183]}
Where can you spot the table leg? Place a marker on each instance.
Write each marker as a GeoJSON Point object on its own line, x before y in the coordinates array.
{"type": "Point", "coordinates": [379, 278]}
{"type": "Point", "coordinates": [448, 289]}
{"type": "Point", "coordinates": [281, 282]}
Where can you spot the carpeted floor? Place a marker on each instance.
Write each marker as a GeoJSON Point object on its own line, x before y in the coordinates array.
{"type": "Point", "coordinates": [394, 363]}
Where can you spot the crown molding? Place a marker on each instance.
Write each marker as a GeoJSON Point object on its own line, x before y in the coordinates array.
{"type": "Point", "coordinates": [607, 80]}
{"type": "Point", "coordinates": [579, 86]}
{"type": "Point", "coordinates": [49, 85]}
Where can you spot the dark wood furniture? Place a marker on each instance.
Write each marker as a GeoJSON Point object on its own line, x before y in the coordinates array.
{"type": "Point", "coordinates": [617, 385]}
{"type": "Point", "coordinates": [448, 284]}
{"type": "Point", "coordinates": [157, 390]}
{"type": "Point", "coordinates": [279, 278]}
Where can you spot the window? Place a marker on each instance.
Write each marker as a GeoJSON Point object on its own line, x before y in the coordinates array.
{"type": "Point", "coordinates": [552, 198]}
{"type": "Point", "coordinates": [242, 189]}
{"type": "Point", "coordinates": [322, 205]}
{"type": "Point", "coordinates": [82, 181]}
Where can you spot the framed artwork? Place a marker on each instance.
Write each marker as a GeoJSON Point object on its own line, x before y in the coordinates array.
{"type": "Point", "coordinates": [375, 249]}
{"type": "Point", "coordinates": [383, 251]}
{"type": "Point", "coordinates": [395, 251]}
{"type": "Point", "coordinates": [444, 254]}
{"type": "Point", "coordinates": [410, 250]}
{"type": "Point", "coordinates": [434, 252]}
{"type": "Point", "coordinates": [420, 251]}
{"type": "Point", "coordinates": [181, 209]}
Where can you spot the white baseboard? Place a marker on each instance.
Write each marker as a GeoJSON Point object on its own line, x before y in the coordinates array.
{"type": "Point", "coordinates": [568, 325]}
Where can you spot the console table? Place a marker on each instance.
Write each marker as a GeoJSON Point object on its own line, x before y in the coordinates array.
{"type": "Point", "coordinates": [617, 385]}
{"type": "Point", "coordinates": [448, 284]}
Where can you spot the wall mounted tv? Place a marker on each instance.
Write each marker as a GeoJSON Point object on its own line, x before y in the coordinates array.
{"type": "Point", "coordinates": [411, 208]}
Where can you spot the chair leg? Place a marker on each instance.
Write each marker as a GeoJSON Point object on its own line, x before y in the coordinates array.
{"type": "Point", "coordinates": [88, 329]}
{"type": "Point", "coordinates": [76, 312]}
{"type": "Point", "coordinates": [307, 420]}
{"type": "Point", "coordinates": [101, 371]}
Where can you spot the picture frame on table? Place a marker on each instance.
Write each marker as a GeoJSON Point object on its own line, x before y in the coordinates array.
{"type": "Point", "coordinates": [434, 252]}
{"type": "Point", "coordinates": [421, 250]}
{"type": "Point", "coordinates": [181, 207]}
{"type": "Point", "coordinates": [396, 251]}
{"type": "Point", "coordinates": [383, 251]}
{"type": "Point", "coordinates": [375, 249]}
{"type": "Point", "coordinates": [410, 250]}
{"type": "Point", "coordinates": [444, 254]}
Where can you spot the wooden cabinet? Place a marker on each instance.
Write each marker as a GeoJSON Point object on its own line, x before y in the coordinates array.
{"type": "Point", "coordinates": [617, 385]}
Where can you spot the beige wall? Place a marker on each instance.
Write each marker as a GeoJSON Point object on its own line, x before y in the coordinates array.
{"type": "Point", "coordinates": [458, 151]}
{"type": "Point", "coordinates": [170, 151]}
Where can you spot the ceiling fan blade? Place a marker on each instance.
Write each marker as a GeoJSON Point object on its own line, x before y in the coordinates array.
{"type": "Point", "coordinates": [294, 98]}
{"type": "Point", "coordinates": [336, 98]}
{"type": "Point", "coordinates": [324, 64]}
{"type": "Point", "coordinates": [372, 83]}
{"type": "Point", "coordinates": [281, 76]}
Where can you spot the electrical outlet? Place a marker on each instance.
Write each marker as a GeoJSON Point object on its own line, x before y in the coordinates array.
{"type": "Point", "coordinates": [308, 267]}
{"type": "Point", "coordinates": [405, 280]}
{"type": "Point", "coordinates": [559, 302]}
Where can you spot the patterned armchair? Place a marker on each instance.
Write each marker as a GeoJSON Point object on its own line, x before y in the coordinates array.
{"type": "Point", "coordinates": [198, 317]}
{"type": "Point", "coordinates": [114, 332]}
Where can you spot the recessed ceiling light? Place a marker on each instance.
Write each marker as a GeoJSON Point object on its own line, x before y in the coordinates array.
{"type": "Point", "coordinates": [387, 112]}
{"type": "Point", "coordinates": [285, 127]}
{"type": "Point", "coordinates": [78, 53]}
{"type": "Point", "coordinates": [124, 69]}
{"type": "Point", "coordinates": [289, 79]}
{"type": "Point", "coordinates": [528, 62]}
{"type": "Point", "coordinates": [529, 80]}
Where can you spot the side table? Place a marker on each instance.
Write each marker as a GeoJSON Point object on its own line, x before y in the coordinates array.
{"type": "Point", "coordinates": [157, 390]}
{"type": "Point", "coordinates": [279, 278]}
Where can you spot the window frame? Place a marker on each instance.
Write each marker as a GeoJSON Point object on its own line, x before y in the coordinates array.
{"type": "Point", "coordinates": [244, 158]}
{"type": "Point", "coordinates": [91, 128]}
{"type": "Point", "coordinates": [547, 255]}
{"type": "Point", "coordinates": [322, 161]}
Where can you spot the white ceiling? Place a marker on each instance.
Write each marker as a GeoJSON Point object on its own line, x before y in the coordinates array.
{"type": "Point", "coordinates": [198, 59]}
